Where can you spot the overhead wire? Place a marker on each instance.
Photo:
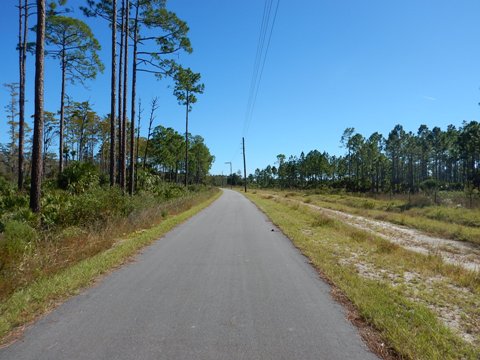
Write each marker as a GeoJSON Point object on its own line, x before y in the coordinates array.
{"type": "Point", "coordinates": [261, 70]}
{"type": "Point", "coordinates": [258, 56]}
{"type": "Point", "coordinates": [267, 26]}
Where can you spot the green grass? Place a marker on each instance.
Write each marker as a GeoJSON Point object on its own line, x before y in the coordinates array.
{"type": "Point", "coordinates": [46, 292]}
{"type": "Point", "coordinates": [451, 222]}
{"type": "Point", "coordinates": [400, 293]}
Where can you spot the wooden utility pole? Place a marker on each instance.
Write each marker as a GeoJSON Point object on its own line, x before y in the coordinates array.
{"type": "Point", "coordinates": [244, 165]}
{"type": "Point", "coordinates": [231, 177]}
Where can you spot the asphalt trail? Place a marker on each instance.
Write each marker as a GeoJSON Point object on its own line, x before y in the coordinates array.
{"type": "Point", "coordinates": [221, 286]}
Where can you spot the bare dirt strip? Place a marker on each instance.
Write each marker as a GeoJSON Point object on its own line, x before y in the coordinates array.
{"type": "Point", "coordinates": [464, 254]}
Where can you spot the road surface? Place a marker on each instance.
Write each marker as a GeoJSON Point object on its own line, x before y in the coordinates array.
{"type": "Point", "coordinates": [221, 286]}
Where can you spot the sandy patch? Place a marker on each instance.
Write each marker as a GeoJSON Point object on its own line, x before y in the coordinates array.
{"type": "Point", "coordinates": [466, 255]}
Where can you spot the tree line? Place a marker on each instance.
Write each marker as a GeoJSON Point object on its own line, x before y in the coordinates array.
{"type": "Point", "coordinates": [401, 162]}
{"type": "Point", "coordinates": [155, 36]}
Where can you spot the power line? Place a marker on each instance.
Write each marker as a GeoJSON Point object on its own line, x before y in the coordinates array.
{"type": "Point", "coordinates": [263, 66]}
{"type": "Point", "coordinates": [266, 27]}
{"type": "Point", "coordinates": [258, 57]}
{"type": "Point", "coordinates": [260, 44]}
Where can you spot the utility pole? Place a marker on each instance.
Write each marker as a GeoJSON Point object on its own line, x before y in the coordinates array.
{"type": "Point", "coordinates": [231, 178]}
{"type": "Point", "coordinates": [244, 165]}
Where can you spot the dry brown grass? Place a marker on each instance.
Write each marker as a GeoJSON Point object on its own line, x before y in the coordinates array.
{"type": "Point", "coordinates": [53, 252]}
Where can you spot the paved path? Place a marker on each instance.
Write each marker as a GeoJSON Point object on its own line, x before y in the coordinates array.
{"type": "Point", "coordinates": [220, 286]}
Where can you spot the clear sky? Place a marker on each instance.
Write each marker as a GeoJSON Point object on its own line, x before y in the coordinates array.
{"type": "Point", "coordinates": [332, 64]}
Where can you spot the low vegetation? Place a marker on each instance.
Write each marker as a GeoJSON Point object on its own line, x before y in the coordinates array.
{"type": "Point", "coordinates": [420, 306]}
{"type": "Point", "coordinates": [449, 220]}
{"type": "Point", "coordinates": [80, 217]}
{"type": "Point", "coordinates": [66, 279]}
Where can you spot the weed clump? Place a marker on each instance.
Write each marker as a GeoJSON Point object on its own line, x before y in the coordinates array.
{"type": "Point", "coordinates": [359, 235]}
{"type": "Point", "coordinates": [323, 221]}
{"type": "Point", "coordinates": [17, 238]}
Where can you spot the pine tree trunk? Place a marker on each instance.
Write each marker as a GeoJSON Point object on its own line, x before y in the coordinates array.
{"type": "Point", "coordinates": [149, 132]}
{"type": "Point", "coordinates": [62, 114]}
{"type": "Point", "coordinates": [124, 112]}
{"type": "Point", "coordinates": [120, 96]}
{"type": "Point", "coordinates": [113, 93]}
{"type": "Point", "coordinates": [186, 143]}
{"type": "Point", "coordinates": [21, 99]}
{"type": "Point", "coordinates": [137, 144]}
{"type": "Point", "coordinates": [131, 184]}
{"type": "Point", "coordinates": [36, 181]}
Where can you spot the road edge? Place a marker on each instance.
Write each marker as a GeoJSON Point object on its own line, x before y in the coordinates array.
{"type": "Point", "coordinates": [28, 305]}
{"type": "Point", "coordinates": [370, 335]}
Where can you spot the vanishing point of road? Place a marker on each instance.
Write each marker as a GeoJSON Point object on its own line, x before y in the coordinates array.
{"type": "Point", "coordinates": [223, 285]}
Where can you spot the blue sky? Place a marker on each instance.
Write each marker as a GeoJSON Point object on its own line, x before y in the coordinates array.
{"type": "Point", "coordinates": [332, 64]}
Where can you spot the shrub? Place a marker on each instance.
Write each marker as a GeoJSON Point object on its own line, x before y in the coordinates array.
{"type": "Point", "coordinates": [6, 187]}
{"type": "Point", "coordinates": [79, 177]}
{"type": "Point", "coordinates": [418, 201]}
{"type": "Point", "coordinates": [94, 207]}
{"type": "Point", "coordinates": [9, 198]}
{"type": "Point", "coordinates": [17, 238]}
{"type": "Point", "coordinates": [171, 191]}
{"type": "Point", "coordinates": [23, 214]}
{"type": "Point", "coordinates": [54, 205]}
{"type": "Point", "coordinates": [146, 181]}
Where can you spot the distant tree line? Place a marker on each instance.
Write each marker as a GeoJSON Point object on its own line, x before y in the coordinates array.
{"type": "Point", "coordinates": [401, 162]}
{"type": "Point", "coordinates": [155, 36]}
{"type": "Point", "coordinates": [87, 139]}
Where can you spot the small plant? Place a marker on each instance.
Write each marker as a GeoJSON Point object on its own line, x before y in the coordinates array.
{"type": "Point", "coordinates": [294, 206]}
{"type": "Point", "coordinates": [17, 238]}
{"type": "Point", "coordinates": [367, 204]}
{"type": "Point", "coordinates": [164, 213]}
{"type": "Point", "coordinates": [72, 232]}
{"type": "Point", "coordinates": [430, 187]}
{"type": "Point", "coordinates": [359, 235]}
{"type": "Point", "coordinates": [322, 221]}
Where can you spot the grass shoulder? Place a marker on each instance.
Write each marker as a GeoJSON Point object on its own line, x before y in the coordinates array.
{"type": "Point", "coordinates": [46, 292]}
{"type": "Point", "coordinates": [420, 306]}
{"type": "Point", "coordinates": [448, 221]}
